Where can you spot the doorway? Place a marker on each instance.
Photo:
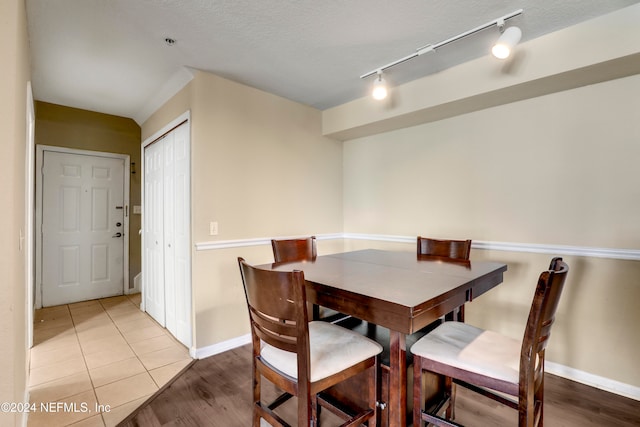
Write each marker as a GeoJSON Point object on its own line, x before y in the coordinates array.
{"type": "Point", "coordinates": [166, 228]}
{"type": "Point", "coordinates": [82, 221]}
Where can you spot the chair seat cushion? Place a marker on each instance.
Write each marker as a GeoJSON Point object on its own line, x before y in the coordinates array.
{"type": "Point", "coordinates": [472, 349]}
{"type": "Point", "coordinates": [332, 349]}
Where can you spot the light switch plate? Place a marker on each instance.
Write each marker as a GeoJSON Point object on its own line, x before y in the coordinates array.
{"type": "Point", "coordinates": [213, 228]}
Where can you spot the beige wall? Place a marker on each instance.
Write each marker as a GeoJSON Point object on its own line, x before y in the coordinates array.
{"type": "Point", "coordinates": [260, 168]}
{"type": "Point", "coordinates": [13, 123]}
{"type": "Point", "coordinates": [87, 130]}
{"type": "Point", "coordinates": [561, 169]}
{"type": "Point", "coordinates": [508, 173]}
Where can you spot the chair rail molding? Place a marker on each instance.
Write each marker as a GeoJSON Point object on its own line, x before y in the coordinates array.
{"type": "Point", "coordinates": [239, 243]}
{"type": "Point", "coordinates": [584, 251]}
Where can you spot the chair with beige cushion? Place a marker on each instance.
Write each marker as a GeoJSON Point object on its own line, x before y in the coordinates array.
{"type": "Point", "coordinates": [304, 249]}
{"type": "Point", "coordinates": [507, 370]}
{"type": "Point", "coordinates": [299, 357]}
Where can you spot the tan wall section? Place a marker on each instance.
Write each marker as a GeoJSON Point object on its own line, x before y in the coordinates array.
{"type": "Point", "coordinates": [559, 169]}
{"type": "Point", "coordinates": [67, 127]}
{"type": "Point", "coordinates": [260, 168]}
{"type": "Point", "coordinates": [508, 173]}
{"type": "Point", "coordinates": [13, 123]}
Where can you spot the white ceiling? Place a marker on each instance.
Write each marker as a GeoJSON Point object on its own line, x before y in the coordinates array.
{"type": "Point", "coordinates": [110, 56]}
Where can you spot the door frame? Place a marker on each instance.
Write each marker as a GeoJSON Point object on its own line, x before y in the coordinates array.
{"type": "Point", "coordinates": [40, 150]}
{"type": "Point", "coordinates": [178, 121]}
{"type": "Point", "coordinates": [30, 214]}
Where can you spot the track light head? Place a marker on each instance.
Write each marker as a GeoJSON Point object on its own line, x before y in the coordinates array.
{"type": "Point", "coordinates": [379, 87]}
{"type": "Point", "coordinates": [507, 41]}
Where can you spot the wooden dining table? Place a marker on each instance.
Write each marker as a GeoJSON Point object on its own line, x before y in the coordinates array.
{"type": "Point", "coordinates": [396, 290]}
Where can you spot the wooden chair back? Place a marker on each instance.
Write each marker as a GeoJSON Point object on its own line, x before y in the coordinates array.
{"type": "Point", "coordinates": [453, 249]}
{"type": "Point", "coordinates": [457, 251]}
{"type": "Point", "coordinates": [536, 336]}
{"type": "Point", "coordinates": [277, 307]}
{"type": "Point", "coordinates": [287, 250]}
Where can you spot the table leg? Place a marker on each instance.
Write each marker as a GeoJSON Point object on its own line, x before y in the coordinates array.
{"type": "Point", "coordinates": [397, 380]}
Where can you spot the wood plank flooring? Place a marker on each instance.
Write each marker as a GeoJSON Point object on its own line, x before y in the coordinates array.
{"type": "Point", "coordinates": [217, 392]}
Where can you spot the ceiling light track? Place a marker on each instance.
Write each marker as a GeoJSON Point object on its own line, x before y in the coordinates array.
{"type": "Point", "coordinates": [432, 47]}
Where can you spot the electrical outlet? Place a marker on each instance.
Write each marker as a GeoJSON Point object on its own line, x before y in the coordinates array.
{"type": "Point", "coordinates": [213, 228]}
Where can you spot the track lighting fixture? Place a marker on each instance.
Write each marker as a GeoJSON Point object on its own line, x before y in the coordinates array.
{"type": "Point", "coordinates": [509, 38]}
{"type": "Point", "coordinates": [502, 49]}
{"type": "Point", "coordinates": [379, 87]}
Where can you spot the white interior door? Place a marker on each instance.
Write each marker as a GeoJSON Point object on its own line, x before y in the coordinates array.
{"type": "Point", "coordinates": [167, 232]}
{"type": "Point", "coordinates": [82, 227]}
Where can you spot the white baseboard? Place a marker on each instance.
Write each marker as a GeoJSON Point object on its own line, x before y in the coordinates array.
{"type": "Point", "coordinates": [221, 347]}
{"type": "Point", "coordinates": [136, 285]}
{"type": "Point", "coordinates": [602, 383]}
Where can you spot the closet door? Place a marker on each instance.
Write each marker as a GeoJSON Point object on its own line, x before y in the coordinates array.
{"type": "Point", "coordinates": [169, 207]}
{"type": "Point", "coordinates": [167, 233]}
{"type": "Point", "coordinates": [181, 228]}
{"type": "Point", "coordinates": [153, 231]}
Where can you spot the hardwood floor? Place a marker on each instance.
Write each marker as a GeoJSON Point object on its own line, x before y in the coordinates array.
{"type": "Point", "coordinates": [217, 392]}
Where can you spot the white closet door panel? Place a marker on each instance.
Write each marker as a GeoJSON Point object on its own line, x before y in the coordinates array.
{"type": "Point", "coordinates": [153, 227]}
{"type": "Point", "coordinates": [182, 234]}
{"type": "Point", "coordinates": [170, 290]}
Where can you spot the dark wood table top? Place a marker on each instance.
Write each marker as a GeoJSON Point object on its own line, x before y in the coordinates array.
{"type": "Point", "coordinates": [393, 289]}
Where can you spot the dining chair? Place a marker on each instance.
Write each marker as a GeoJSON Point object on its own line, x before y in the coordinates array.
{"type": "Point", "coordinates": [287, 250]}
{"type": "Point", "coordinates": [446, 250]}
{"type": "Point", "coordinates": [299, 357]}
{"type": "Point", "coordinates": [304, 249]}
{"type": "Point", "coordinates": [490, 363]}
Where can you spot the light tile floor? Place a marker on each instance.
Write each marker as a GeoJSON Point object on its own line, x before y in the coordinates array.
{"type": "Point", "coordinates": [94, 362]}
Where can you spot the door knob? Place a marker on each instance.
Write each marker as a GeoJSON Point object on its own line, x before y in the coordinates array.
{"type": "Point", "coordinates": [117, 235]}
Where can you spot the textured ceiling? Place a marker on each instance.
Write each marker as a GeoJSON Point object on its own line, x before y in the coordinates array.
{"type": "Point", "coordinates": [110, 55]}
